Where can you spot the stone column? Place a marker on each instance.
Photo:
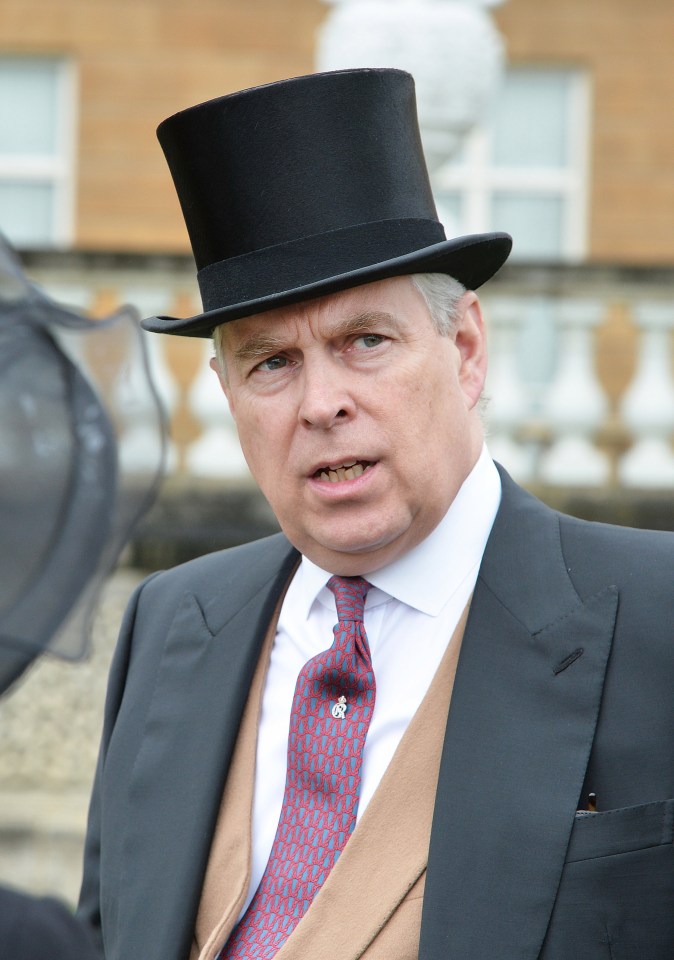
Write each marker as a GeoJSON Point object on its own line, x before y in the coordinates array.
{"type": "Point", "coordinates": [648, 404]}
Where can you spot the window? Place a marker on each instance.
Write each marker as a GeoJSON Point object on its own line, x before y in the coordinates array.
{"type": "Point", "coordinates": [36, 150]}
{"type": "Point", "coordinates": [525, 171]}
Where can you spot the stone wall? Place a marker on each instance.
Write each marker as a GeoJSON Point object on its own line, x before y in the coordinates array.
{"type": "Point", "coordinates": [50, 725]}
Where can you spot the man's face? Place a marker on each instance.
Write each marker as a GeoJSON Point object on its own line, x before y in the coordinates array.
{"type": "Point", "coordinates": [357, 418]}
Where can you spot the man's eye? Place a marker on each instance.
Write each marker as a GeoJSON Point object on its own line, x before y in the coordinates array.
{"type": "Point", "coordinates": [272, 363]}
{"type": "Point", "coordinates": [370, 340]}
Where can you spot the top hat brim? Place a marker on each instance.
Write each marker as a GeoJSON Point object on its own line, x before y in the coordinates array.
{"type": "Point", "coordinates": [472, 260]}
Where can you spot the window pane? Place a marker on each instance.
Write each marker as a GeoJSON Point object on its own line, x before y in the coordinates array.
{"type": "Point", "coordinates": [530, 119]}
{"type": "Point", "coordinates": [450, 211]}
{"type": "Point", "coordinates": [534, 222]}
{"type": "Point", "coordinates": [460, 157]}
{"type": "Point", "coordinates": [28, 106]}
{"type": "Point", "coordinates": [26, 213]}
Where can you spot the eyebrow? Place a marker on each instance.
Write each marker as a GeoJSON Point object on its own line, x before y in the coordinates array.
{"type": "Point", "coordinates": [265, 345]}
{"type": "Point", "coordinates": [363, 323]}
{"type": "Point", "coordinates": [258, 345]}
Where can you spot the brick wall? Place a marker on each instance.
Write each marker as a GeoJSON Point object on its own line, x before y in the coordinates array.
{"type": "Point", "coordinates": [627, 48]}
{"type": "Point", "coordinates": [140, 60]}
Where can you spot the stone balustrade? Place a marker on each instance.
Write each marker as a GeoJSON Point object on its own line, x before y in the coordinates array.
{"type": "Point", "coordinates": [580, 392]}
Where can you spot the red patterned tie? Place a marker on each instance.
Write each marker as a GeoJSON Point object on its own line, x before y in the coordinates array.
{"type": "Point", "coordinates": [331, 712]}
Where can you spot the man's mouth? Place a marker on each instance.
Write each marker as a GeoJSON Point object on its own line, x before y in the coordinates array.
{"type": "Point", "coordinates": [337, 473]}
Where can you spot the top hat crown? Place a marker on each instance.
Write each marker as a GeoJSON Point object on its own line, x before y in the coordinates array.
{"type": "Point", "coordinates": [308, 186]}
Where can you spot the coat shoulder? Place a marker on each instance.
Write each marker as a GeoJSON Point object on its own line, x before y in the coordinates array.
{"type": "Point", "coordinates": [538, 558]}
{"type": "Point", "coordinates": [218, 583]}
{"type": "Point", "coordinates": [639, 561]}
{"type": "Point", "coordinates": [593, 555]}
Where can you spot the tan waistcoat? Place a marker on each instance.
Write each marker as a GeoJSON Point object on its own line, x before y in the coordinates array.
{"type": "Point", "coordinates": [370, 904]}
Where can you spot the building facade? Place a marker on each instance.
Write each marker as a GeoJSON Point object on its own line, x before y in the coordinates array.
{"type": "Point", "coordinates": [581, 144]}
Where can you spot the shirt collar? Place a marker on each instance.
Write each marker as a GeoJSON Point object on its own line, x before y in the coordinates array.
{"type": "Point", "coordinates": [427, 575]}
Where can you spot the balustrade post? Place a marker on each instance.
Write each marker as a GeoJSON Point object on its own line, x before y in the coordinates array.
{"type": "Point", "coordinates": [216, 453]}
{"type": "Point", "coordinates": [575, 405]}
{"type": "Point", "coordinates": [137, 410]}
{"type": "Point", "coordinates": [140, 435]}
{"type": "Point", "coordinates": [508, 401]}
{"type": "Point", "coordinates": [647, 405]}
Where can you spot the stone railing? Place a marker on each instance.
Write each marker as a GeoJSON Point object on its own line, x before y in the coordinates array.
{"type": "Point", "coordinates": [581, 384]}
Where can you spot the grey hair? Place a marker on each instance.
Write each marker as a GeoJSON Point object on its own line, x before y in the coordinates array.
{"type": "Point", "coordinates": [217, 349]}
{"type": "Point", "coordinates": [441, 293]}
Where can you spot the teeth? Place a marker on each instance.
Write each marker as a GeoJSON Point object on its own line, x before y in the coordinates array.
{"type": "Point", "coordinates": [345, 472]}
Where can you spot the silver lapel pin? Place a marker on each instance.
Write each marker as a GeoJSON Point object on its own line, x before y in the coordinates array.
{"type": "Point", "coordinates": [339, 709]}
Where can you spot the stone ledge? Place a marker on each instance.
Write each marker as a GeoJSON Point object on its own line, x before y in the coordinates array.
{"type": "Point", "coordinates": [535, 277]}
{"type": "Point", "coordinates": [646, 510]}
{"type": "Point", "coordinates": [191, 518]}
{"type": "Point", "coordinates": [41, 842]}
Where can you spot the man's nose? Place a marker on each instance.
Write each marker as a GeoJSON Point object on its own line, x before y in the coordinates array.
{"type": "Point", "coordinates": [325, 398]}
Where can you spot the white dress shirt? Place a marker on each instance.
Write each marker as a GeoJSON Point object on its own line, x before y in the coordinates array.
{"type": "Point", "coordinates": [411, 612]}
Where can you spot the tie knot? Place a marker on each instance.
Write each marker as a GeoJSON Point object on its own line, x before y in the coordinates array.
{"type": "Point", "coordinates": [350, 593]}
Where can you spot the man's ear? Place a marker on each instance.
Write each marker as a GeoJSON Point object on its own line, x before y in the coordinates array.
{"type": "Point", "coordinates": [471, 341]}
{"type": "Point", "coordinates": [222, 377]}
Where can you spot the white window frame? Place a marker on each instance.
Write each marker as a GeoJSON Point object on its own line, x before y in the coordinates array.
{"type": "Point", "coordinates": [59, 168]}
{"type": "Point", "coordinates": [475, 179]}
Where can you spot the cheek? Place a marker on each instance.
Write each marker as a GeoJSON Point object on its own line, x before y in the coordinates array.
{"type": "Point", "coordinates": [429, 409]}
{"type": "Point", "coordinates": [265, 443]}
{"type": "Point", "coordinates": [252, 436]}
{"type": "Point", "coordinates": [432, 431]}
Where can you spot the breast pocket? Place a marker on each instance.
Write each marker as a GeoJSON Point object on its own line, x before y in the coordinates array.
{"type": "Point", "coordinates": [613, 832]}
{"type": "Point", "coordinates": [616, 895]}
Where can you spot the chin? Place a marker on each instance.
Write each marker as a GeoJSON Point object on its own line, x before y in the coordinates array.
{"type": "Point", "coordinates": [358, 544]}
{"type": "Point", "coordinates": [354, 556]}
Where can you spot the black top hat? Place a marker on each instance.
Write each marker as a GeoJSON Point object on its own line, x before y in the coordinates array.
{"type": "Point", "coordinates": [300, 188]}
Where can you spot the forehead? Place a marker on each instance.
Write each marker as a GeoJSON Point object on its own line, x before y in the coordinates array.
{"type": "Point", "coordinates": [396, 297]}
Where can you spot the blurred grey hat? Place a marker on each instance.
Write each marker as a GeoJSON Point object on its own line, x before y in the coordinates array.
{"type": "Point", "coordinates": [64, 512]}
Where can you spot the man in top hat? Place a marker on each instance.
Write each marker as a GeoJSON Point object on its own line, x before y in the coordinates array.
{"type": "Point", "coordinates": [282, 773]}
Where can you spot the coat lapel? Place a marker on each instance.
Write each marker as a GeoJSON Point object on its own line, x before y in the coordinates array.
{"type": "Point", "coordinates": [518, 739]}
{"type": "Point", "coordinates": [209, 658]}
